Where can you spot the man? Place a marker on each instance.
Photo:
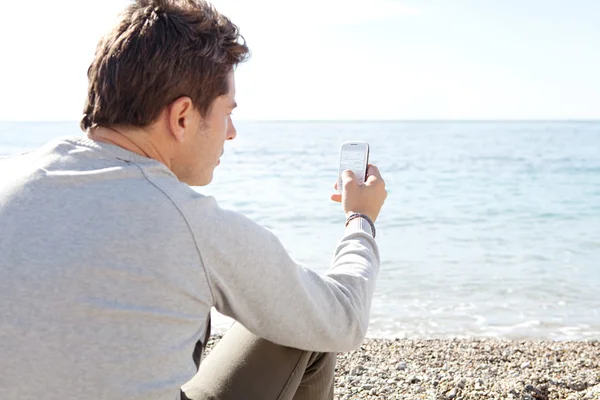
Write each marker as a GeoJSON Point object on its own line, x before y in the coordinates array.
{"type": "Point", "coordinates": [110, 262]}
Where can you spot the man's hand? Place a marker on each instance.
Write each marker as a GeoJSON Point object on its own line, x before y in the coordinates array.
{"type": "Point", "coordinates": [365, 199]}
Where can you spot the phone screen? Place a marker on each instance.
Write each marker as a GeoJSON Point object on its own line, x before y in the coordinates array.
{"type": "Point", "coordinates": [355, 157]}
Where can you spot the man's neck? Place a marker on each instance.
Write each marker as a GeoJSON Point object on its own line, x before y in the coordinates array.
{"type": "Point", "coordinates": [136, 142]}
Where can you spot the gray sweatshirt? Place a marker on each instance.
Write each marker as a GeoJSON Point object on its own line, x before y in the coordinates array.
{"type": "Point", "coordinates": [109, 267]}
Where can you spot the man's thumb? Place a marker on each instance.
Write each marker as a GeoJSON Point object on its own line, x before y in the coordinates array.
{"type": "Point", "coordinates": [347, 176]}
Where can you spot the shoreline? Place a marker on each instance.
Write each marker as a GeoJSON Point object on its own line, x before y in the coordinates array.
{"type": "Point", "coordinates": [464, 369]}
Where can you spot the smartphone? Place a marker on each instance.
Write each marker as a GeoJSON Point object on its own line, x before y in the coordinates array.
{"type": "Point", "coordinates": [355, 157]}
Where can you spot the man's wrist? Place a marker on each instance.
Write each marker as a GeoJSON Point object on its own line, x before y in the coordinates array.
{"type": "Point", "coordinates": [354, 216]}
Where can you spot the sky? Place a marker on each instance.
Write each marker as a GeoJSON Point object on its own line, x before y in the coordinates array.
{"type": "Point", "coordinates": [341, 59]}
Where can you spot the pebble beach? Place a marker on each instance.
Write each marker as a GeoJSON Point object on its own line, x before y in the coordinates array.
{"type": "Point", "coordinates": [468, 369]}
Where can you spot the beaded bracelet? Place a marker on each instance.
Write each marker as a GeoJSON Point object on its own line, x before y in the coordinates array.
{"type": "Point", "coordinates": [363, 216]}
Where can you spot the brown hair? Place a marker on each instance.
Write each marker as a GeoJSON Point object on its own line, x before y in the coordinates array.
{"type": "Point", "coordinates": [159, 51]}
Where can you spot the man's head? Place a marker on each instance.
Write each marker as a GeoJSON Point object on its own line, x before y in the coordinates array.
{"type": "Point", "coordinates": [167, 69]}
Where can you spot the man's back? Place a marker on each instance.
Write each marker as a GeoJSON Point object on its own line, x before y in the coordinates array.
{"type": "Point", "coordinates": [109, 266]}
{"type": "Point", "coordinates": [100, 279]}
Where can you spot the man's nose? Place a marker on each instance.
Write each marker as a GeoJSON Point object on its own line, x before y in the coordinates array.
{"type": "Point", "coordinates": [231, 132]}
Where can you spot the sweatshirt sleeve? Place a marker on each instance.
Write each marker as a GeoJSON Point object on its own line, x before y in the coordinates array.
{"type": "Point", "coordinates": [254, 281]}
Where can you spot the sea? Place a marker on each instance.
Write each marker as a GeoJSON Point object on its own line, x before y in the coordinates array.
{"type": "Point", "coordinates": [491, 229]}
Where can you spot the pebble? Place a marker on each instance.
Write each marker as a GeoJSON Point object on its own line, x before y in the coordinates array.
{"type": "Point", "coordinates": [357, 370]}
{"type": "Point", "coordinates": [578, 386]}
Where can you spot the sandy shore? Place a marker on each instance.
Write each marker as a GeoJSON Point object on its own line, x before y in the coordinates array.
{"type": "Point", "coordinates": [468, 369]}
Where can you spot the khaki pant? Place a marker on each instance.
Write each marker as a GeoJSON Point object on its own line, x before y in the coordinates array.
{"type": "Point", "coordinates": [244, 366]}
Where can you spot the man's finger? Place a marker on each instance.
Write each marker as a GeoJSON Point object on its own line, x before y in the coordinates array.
{"type": "Point", "coordinates": [373, 170]}
{"type": "Point", "coordinates": [347, 176]}
{"type": "Point", "coordinates": [336, 197]}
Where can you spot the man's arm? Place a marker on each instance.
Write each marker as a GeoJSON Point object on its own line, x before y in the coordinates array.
{"type": "Point", "coordinates": [255, 281]}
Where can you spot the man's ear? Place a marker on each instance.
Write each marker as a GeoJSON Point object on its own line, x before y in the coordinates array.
{"type": "Point", "coordinates": [180, 114]}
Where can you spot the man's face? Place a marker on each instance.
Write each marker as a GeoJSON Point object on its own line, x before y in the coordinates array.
{"type": "Point", "coordinates": [207, 139]}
